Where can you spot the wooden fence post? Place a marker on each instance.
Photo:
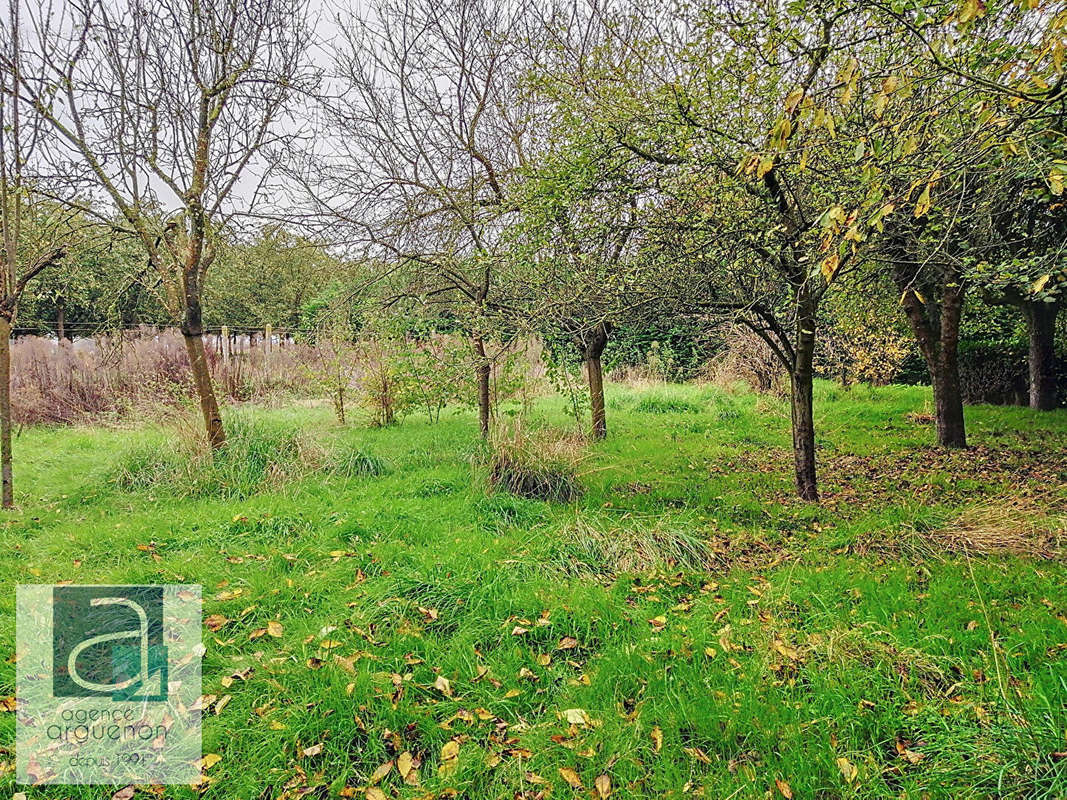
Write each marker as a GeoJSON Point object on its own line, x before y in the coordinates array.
{"type": "Point", "coordinates": [225, 335]}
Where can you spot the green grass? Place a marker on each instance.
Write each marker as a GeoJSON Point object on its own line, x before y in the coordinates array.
{"type": "Point", "coordinates": [685, 626]}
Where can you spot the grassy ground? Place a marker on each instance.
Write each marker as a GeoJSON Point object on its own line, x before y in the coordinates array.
{"type": "Point", "coordinates": [683, 629]}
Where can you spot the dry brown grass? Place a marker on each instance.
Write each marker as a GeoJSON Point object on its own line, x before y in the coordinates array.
{"type": "Point", "coordinates": [747, 359]}
{"type": "Point", "coordinates": [537, 463]}
{"type": "Point", "coordinates": [1005, 526]}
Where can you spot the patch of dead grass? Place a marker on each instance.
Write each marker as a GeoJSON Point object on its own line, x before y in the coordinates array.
{"type": "Point", "coordinates": [1012, 526]}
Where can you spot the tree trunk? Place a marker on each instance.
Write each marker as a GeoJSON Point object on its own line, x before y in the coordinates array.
{"type": "Point", "coordinates": [1041, 327]}
{"type": "Point", "coordinates": [594, 348]}
{"type": "Point", "coordinates": [801, 378]}
{"type": "Point", "coordinates": [8, 496]}
{"type": "Point", "coordinates": [948, 398]}
{"type": "Point", "coordinates": [61, 322]}
{"type": "Point", "coordinates": [484, 372]}
{"type": "Point", "coordinates": [948, 401]}
{"type": "Point", "coordinates": [938, 333]}
{"type": "Point", "coordinates": [193, 333]}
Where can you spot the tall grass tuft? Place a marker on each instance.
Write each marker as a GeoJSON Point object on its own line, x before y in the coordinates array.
{"type": "Point", "coordinates": [538, 464]}
{"type": "Point", "coordinates": [597, 547]}
{"type": "Point", "coordinates": [258, 456]}
{"type": "Point", "coordinates": [666, 403]}
{"type": "Point", "coordinates": [355, 462]}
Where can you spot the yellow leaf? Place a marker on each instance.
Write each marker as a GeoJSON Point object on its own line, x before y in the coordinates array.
{"type": "Point", "coordinates": [1040, 283]}
{"type": "Point", "coordinates": [880, 101]}
{"type": "Point", "coordinates": [208, 761]}
{"type": "Point", "coordinates": [922, 205]}
{"type": "Point", "coordinates": [381, 772]}
{"type": "Point", "coordinates": [603, 787]}
{"type": "Point", "coordinates": [848, 771]}
{"type": "Point", "coordinates": [829, 266]}
{"type": "Point", "coordinates": [374, 793]}
{"type": "Point", "coordinates": [576, 716]}
{"type": "Point", "coordinates": [274, 628]}
{"type": "Point", "coordinates": [443, 686]}
{"type": "Point", "coordinates": [786, 650]}
{"type": "Point", "coordinates": [657, 738]}
{"type": "Point", "coordinates": [407, 766]}
{"type": "Point", "coordinates": [793, 100]}
{"type": "Point", "coordinates": [222, 703]}
{"type": "Point", "coordinates": [449, 757]}
{"type": "Point", "coordinates": [571, 777]}
{"type": "Point", "coordinates": [784, 788]}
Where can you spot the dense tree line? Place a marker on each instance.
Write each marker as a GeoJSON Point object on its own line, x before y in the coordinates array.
{"type": "Point", "coordinates": [829, 174]}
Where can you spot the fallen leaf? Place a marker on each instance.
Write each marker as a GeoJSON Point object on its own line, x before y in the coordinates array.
{"type": "Point", "coordinates": [274, 628]}
{"type": "Point", "coordinates": [657, 738]}
{"type": "Point", "coordinates": [576, 716]}
{"type": "Point", "coordinates": [381, 772]}
{"type": "Point", "coordinates": [698, 754]}
{"type": "Point", "coordinates": [314, 750]}
{"type": "Point", "coordinates": [571, 777]}
{"type": "Point", "coordinates": [784, 788]}
{"type": "Point", "coordinates": [124, 794]}
{"type": "Point", "coordinates": [443, 686]}
{"type": "Point", "coordinates": [786, 650]}
{"type": "Point", "coordinates": [221, 703]}
{"type": "Point", "coordinates": [603, 787]}
{"type": "Point", "coordinates": [848, 770]}
{"type": "Point", "coordinates": [408, 768]}
{"type": "Point", "coordinates": [449, 757]}
{"type": "Point", "coordinates": [208, 761]}
{"type": "Point", "coordinates": [215, 621]}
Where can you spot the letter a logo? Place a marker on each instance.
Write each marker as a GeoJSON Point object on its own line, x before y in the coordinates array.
{"type": "Point", "coordinates": [108, 640]}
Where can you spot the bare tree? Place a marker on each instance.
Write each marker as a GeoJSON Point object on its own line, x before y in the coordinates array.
{"type": "Point", "coordinates": [35, 230]}
{"type": "Point", "coordinates": [426, 125]}
{"type": "Point", "coordinates": [170, 108]}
